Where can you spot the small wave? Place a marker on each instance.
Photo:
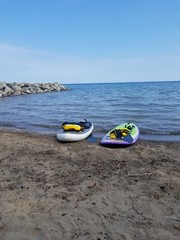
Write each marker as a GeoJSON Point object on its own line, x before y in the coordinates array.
{"type": "Point", "coordinates": [45, 126]}
{"type": "Point", "coordinates": [7, 125]}
{"type": "Point", "coordinates": [154, 132]}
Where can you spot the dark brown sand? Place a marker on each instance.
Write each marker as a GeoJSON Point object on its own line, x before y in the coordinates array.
{"type": "Point", "coordinates": [51, 190]}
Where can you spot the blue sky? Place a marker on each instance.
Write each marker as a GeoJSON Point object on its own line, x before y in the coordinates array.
{"type": "Point", "coordinates": [81, 41]}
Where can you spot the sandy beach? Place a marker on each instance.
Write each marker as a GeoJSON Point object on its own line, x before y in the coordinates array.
{"type": "Point", "coordinates": [51, 190]}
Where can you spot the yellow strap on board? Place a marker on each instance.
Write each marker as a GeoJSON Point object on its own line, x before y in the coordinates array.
{"type": "Point", "coordinates": [71, 127]}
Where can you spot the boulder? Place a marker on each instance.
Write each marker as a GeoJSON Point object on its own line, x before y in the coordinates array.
{"type": "Point", "coordinates": [2, 86]}
{"type": "Point", "coordinates": [17, 88]}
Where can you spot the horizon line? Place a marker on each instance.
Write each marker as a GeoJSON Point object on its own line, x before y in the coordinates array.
{"type": "Point", "coordinates": [153, 81]}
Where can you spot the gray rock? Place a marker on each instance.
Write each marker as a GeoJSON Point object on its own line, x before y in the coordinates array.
{"type": "Point", "coordinates": [8, 90]}
{"type": "Point", "coordinates": [2, 85]}
{"type": "Point", "coordinates": [4, 94]}
{"type": "Point", "coordinates": [17, 88]}
{"type": "Point", "coordinates": [26, 90]}
{"type": "Point", "coordinates": [17, 93]}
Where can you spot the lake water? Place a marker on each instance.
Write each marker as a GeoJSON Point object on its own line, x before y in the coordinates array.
{"type": "Point", "coordinates": [154, 107]}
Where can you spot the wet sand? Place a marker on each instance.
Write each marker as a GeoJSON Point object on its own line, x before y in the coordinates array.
{"type": "Point", "coordinates": [51, 190]}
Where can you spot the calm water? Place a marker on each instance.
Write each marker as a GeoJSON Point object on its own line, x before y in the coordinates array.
{"type": "Point", "coordinates": [154, 107]}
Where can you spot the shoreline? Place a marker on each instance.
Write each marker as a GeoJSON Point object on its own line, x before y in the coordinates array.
{"type": "Point", "coordinates": [81, 190]}
{"type": "Point", "coordinates": [96, 136]}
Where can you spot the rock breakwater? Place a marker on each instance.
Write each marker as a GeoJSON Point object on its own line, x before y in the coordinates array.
{"type": "Point", "coordinates": [15, 89]}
